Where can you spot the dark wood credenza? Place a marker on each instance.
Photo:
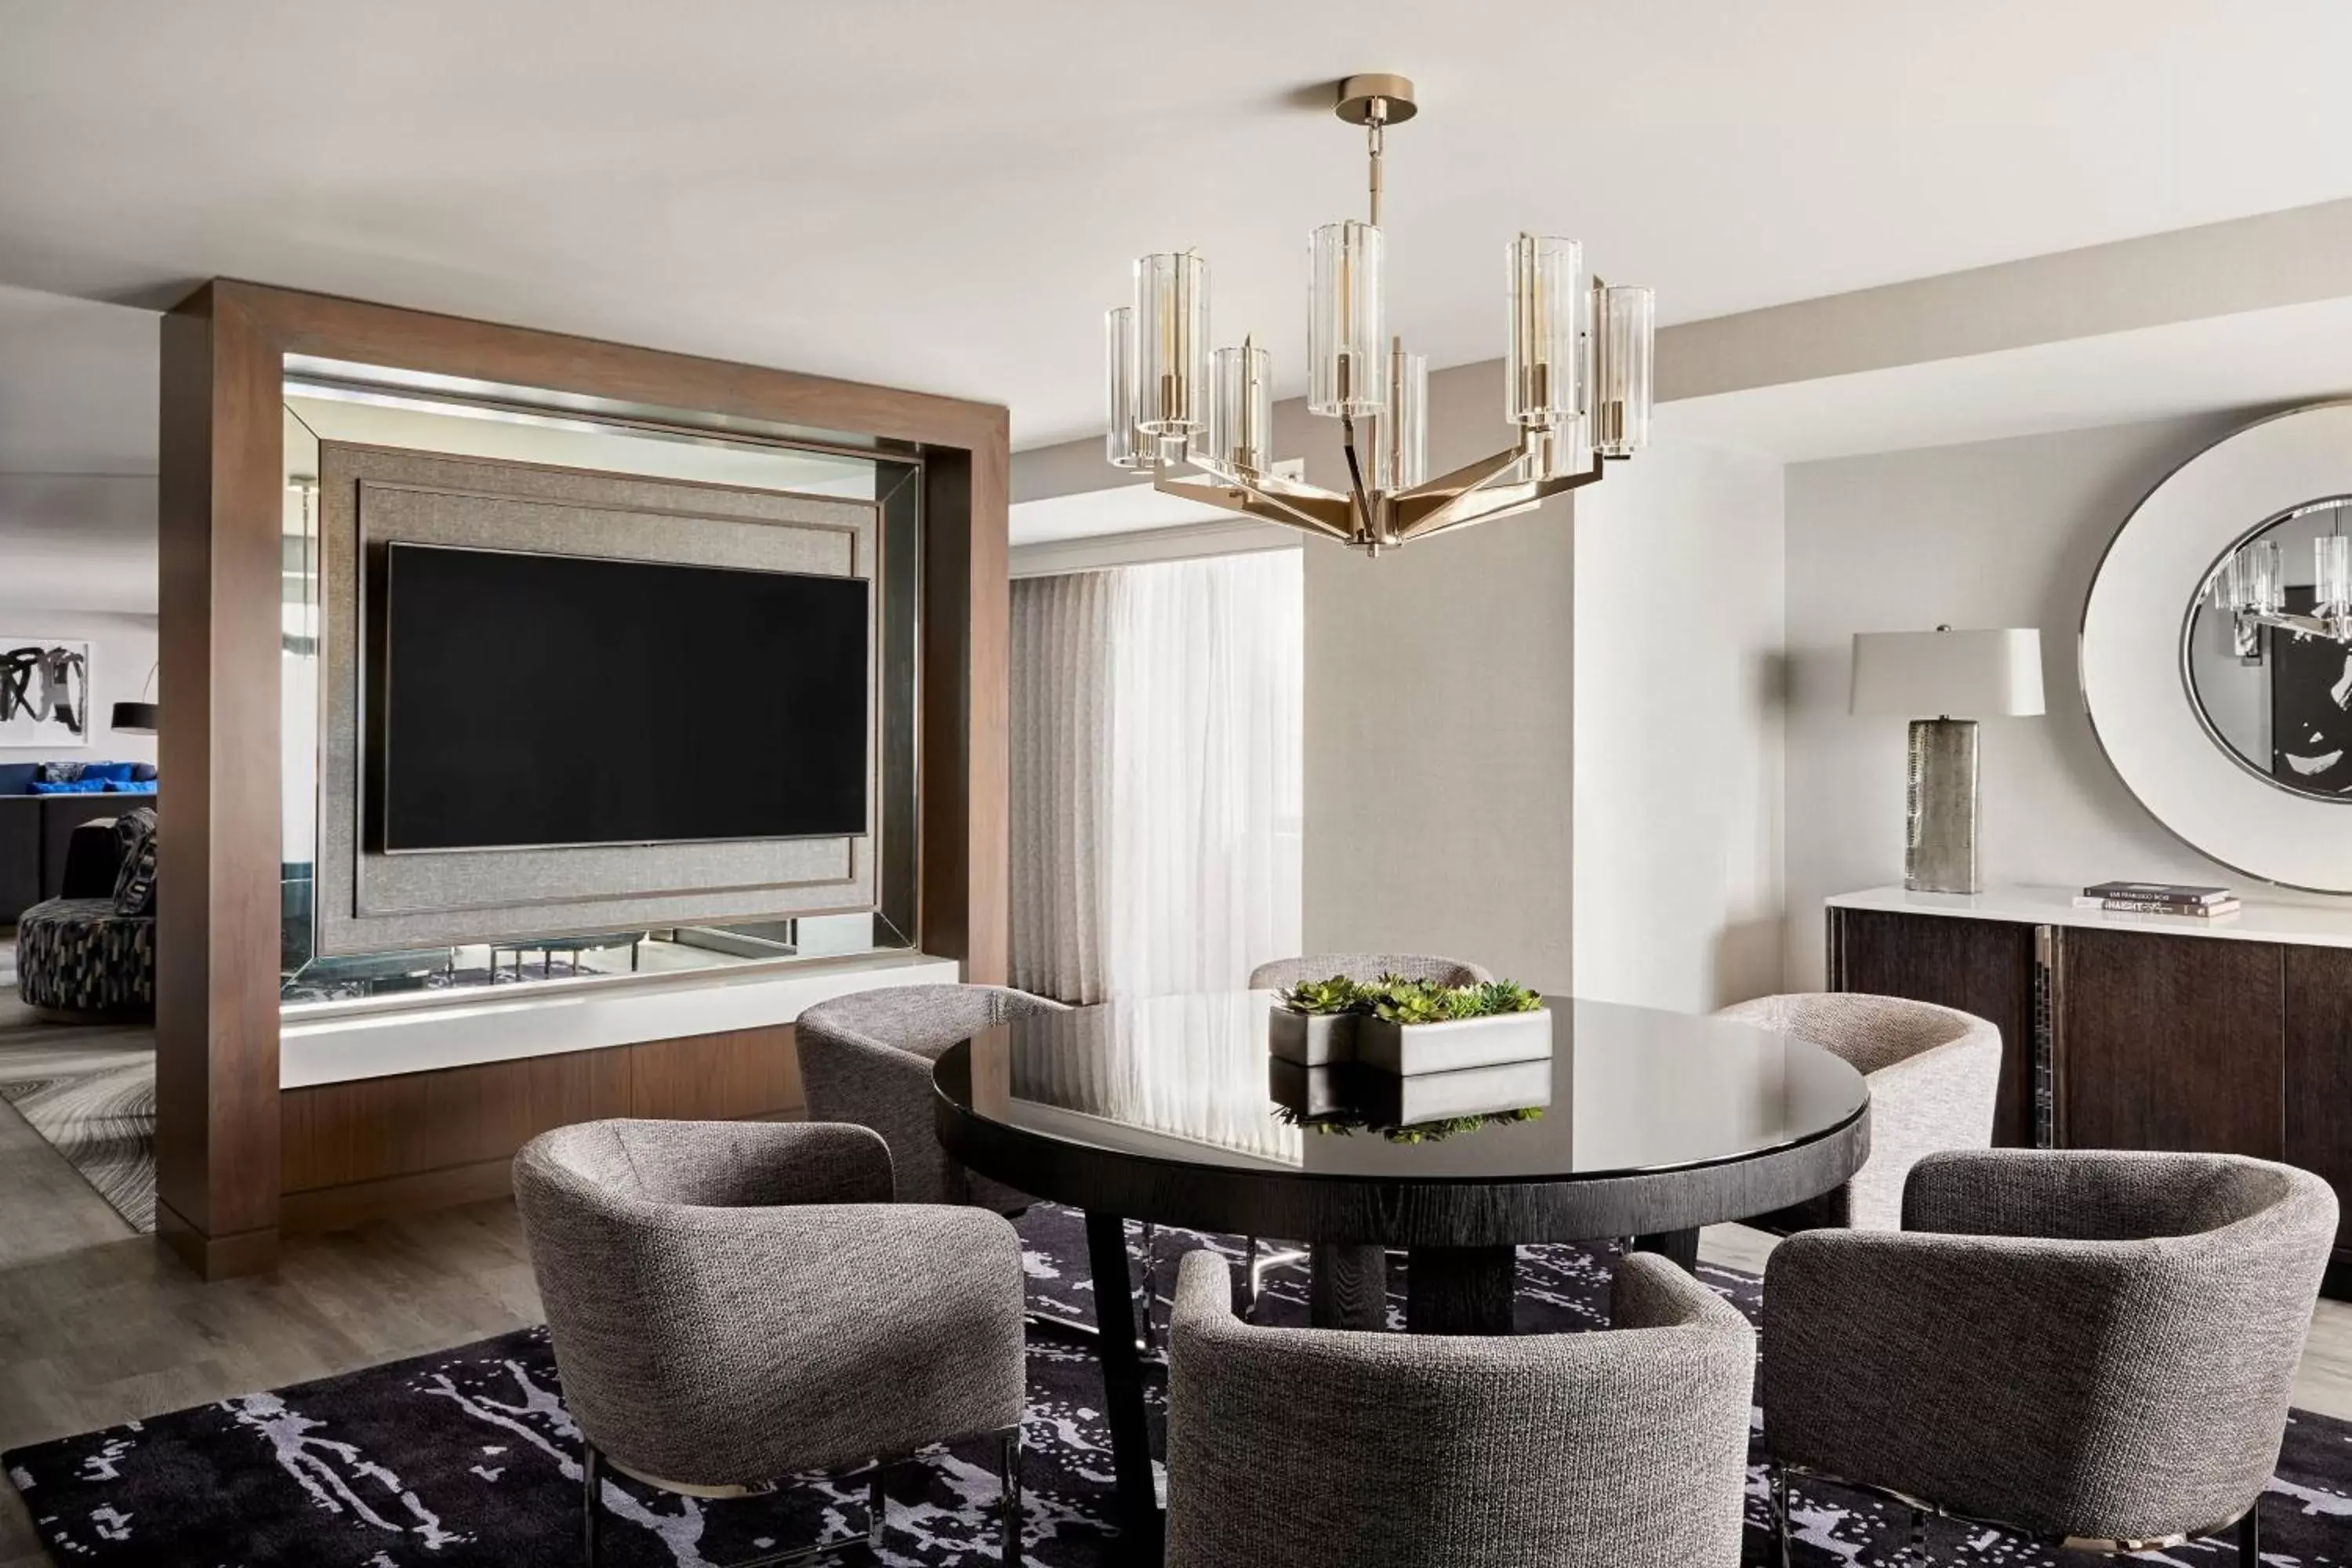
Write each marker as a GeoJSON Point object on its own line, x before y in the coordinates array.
{"type": "Point", "coordinates": [2135, 1032]}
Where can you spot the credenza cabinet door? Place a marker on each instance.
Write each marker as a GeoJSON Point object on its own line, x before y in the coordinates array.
{"type": "Point", "coordinates": [2169, 1042]}
{"type": "Point", "coordinates": [2319, 1070]}
{"type": "Point", "coordinates": [1985, 967]}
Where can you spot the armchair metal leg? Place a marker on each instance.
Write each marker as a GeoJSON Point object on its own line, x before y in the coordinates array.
{"type": "Point", "coordinates": [877, 1510]}
{"type": "Point", "coordinates": [1008, 1505]}
{"type": "Point", "coordinates": [1779, 1512]}
{"type": "Point", "coordinates": [591, 1462]}
{"type": "Point", "coordinates": [2250, 1536]}
{"type": "Point", "coordinates": [1919, 1548]}
{"type": "Point", "coordinates": [1151, 1288]}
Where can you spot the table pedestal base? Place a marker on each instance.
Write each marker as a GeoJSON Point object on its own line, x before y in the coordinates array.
{"type": "Point", "coordinates": [1349, 1288]}
{"type": "Point", "coordinates": [1460, 1289]}
{"type": "Point", "coordinates": [1682, 1245]}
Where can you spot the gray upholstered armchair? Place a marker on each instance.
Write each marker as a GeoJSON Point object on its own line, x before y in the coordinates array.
{"type": "Point", "coordinates": [2084, 1344]}
{"type": "Point", "coordinates": [729, 1305]}
{"type": "Point", "coordinates": [1309, 1448]}
{"type": "Point", "coordinates": [1285, 972]}
{"type": "Point", "coordinates": [866, 1059]}
{"type": "Point", "coordinates": [1935, 1082]}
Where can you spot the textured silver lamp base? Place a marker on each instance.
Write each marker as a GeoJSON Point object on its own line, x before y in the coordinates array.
{"type": "Point", "coordinates": [1940, 847]}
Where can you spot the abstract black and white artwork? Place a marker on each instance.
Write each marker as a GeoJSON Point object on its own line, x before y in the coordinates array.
{"type": "Point", "coordinates": [44, 692]}
{"type": "Point", "coordinates": [2311, 708]}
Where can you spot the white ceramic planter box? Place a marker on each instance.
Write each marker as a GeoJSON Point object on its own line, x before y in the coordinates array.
{"type": "Point", "coordinates": [1450, 1047]}
{"type": "Point", "coordinates": [1311, 1039]}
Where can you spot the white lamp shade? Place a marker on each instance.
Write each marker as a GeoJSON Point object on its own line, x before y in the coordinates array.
{"type": "Point", "coordinates": [1948, 674]}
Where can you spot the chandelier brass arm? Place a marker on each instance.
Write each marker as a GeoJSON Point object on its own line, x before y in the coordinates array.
{"type": "Point", "coordinates": [1492, 487]}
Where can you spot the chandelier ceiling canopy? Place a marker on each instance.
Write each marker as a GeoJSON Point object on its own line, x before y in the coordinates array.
{"type": "Point", "coordinates": [1576, 376]}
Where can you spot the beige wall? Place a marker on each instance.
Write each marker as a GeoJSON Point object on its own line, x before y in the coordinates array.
{"type": "Point", "coordinates": [1678, 807]}
{"type": "Point", "coordinates": [1440, 719]}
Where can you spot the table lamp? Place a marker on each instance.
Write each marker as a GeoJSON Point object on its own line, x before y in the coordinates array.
{"type": "Point", "coordinates": [1960, 677]}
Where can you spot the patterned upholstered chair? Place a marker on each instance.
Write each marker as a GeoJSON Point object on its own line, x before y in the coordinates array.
{"type": "Point", "coordinates": [2090, 1345]}
{"type": "Point", "coordinates": [1284, 972]}
{"type": "Point", "coordinates": [1321, 1449]}
{"type": "Point", "coordinates": [729, 1302]}
{"type": "Point", "coordinates": [1935, 1082]}
{"type": "Point", "coordinates": [90, 957]}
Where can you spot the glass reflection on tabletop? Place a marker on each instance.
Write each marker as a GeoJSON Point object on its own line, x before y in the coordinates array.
{"type": "Point", "coordinates": [1190, 1080]}
{"type": "Point", "coordinates": [1344, 1098]}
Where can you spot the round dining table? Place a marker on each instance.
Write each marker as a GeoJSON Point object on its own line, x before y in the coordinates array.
{"type": "Point", "coordinates": [1636, 1123]}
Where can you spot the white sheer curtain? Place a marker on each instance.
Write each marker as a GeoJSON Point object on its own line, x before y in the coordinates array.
{"type": "Point", "coordinates": [1061, 782]}
{"type": "Point", "coordinates": [1156, 775]}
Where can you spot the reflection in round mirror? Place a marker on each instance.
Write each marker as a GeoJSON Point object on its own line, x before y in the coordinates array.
{"type": "Point", "coordinates": [2267, 650]}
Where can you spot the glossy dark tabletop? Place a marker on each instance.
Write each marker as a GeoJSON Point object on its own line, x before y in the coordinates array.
{"type": "Point", "coordinates": [1189, 1078]}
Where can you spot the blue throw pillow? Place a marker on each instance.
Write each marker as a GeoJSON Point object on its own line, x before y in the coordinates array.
{"type": "Point", "coordinates": [127, 786]}
{"type": "Point", "coordinates": [75, 786]}
{"type": "Point", "coordinates": [112, 773]}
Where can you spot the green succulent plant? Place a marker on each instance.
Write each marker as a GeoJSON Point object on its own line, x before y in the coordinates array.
{"type": "Point", "coordinates": [1403, 1001]}
{"type": "Point", "coordinates": [1326, 997]}
{"type": "Point", "coordinates": [1411, 1002]}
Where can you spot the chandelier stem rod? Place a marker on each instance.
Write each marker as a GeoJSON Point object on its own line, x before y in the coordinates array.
{"type": "Point", "coordinates": [1368, 532]}
{"type": "Point", "coordinates": [1373, 142]}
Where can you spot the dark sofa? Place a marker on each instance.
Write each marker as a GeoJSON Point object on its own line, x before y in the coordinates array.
{"type": "Point", "coordinates": [35, 830]}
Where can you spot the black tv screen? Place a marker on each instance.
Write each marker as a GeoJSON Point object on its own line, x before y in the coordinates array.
{"type": "Point", "coordinates": [529, 700]}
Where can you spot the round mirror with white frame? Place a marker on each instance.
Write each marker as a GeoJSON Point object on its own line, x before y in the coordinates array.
{"type": "Point", "coordinates": [2217, 650]}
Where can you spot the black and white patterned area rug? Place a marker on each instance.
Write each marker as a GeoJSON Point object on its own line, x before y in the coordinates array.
{"type": "Point", "coordinates": [468, 1458]}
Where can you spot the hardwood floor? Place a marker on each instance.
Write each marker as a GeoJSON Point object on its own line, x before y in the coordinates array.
{"type": "Point", "coordinates": [99, 1326]}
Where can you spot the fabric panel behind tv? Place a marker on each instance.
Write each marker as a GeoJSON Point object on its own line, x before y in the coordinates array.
{"type": "Point", "coordinates": [372, 497]}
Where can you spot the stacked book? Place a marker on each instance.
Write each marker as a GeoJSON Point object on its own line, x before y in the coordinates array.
{"type": "Point", "coordinates": [2159, 899]}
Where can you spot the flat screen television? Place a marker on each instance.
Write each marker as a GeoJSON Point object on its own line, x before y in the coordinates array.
{"type": "Point", "coordinates": [525, 700]}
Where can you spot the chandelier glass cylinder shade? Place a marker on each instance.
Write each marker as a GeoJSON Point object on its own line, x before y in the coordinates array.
{"type": "Point", "coordinates": [1547, 331]}
{"type": "Point", "coordinates": [2250, 585]}
{"type": "Point", "coordinates": [1575, 371]}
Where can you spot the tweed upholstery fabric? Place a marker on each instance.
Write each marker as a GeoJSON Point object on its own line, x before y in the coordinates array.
{"type": "Point", "coordinates": [731, 1302]}
{"type": "Point", "coordinates": [1285, 972]}
{"type": "Point", "coordinates": [865, 1059]}
{"type": "Point", "coordinates": [1326, 1449]}
{"type": "Point", "coordinates": [1935, 1081]}
{"type": "Point", "coordinates": [77, 955]}
{"type": "Point", "coordinates": [134, 881]}
{"type": "Point", "coordinates": [2092, 1343]}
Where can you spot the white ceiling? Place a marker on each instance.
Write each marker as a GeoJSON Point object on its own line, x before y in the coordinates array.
{"type": "Point", "coordinates": [944, 196]}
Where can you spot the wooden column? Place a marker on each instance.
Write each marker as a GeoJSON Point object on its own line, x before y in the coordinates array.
{"type": "Point", "coordinates": [220, 505]}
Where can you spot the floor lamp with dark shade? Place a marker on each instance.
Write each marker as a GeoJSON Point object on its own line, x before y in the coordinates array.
{"type": "Point", "coordinates": [1960, 678]}
{"type": "Point", "coordinates": [137, 718]}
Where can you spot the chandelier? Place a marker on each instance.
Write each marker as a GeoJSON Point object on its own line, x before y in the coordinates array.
{"type": "Point", "coordinates": [2250, 587]}
{"type": "Point", "coordinates": [1576, 381]}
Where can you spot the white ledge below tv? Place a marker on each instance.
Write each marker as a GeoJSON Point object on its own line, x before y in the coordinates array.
{"type": "Point", "coordinates": [511, 1023]}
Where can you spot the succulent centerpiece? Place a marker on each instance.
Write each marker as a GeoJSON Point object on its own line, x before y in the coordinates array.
{"type": "Point", "coordinates": [1408, 1025]}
